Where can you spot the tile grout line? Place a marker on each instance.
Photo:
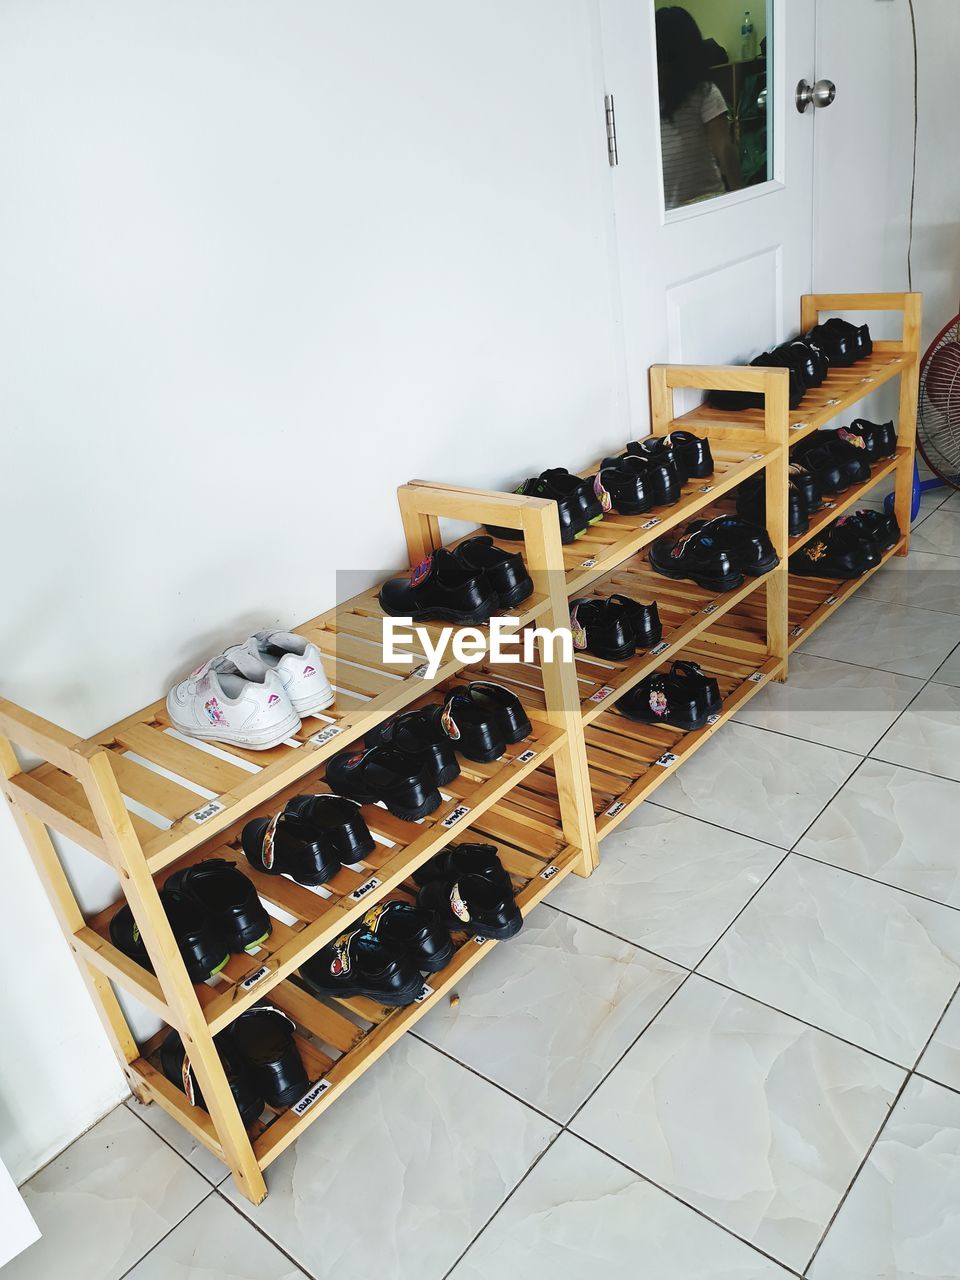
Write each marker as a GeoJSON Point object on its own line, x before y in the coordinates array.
{"type": "Point", "coordinates": [166, 1235]}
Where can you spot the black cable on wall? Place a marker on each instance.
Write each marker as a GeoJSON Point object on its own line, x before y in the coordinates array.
{"type": "Point", "coordinates": [916, 118]}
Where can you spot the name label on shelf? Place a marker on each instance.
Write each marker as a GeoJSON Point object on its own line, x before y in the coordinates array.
{"type": "Point", "coordinates": [706, 488]}
{"type": "Point", "coordinates": [526, 756]}
{"type": "Point", "coordinates": [207, 811]}
{"type": "Point", "coordinates": [455, 815]}
{"type": "Point", "coordinates": [588, 564]}
{"type": "Point", "coordinates": [799, 426]}
{"type": "Point", "coordinates": [868, 379]}
{"type": "Point", "coordinates": [549, 872]}
{"type": "Point", "coordinates": [309, 1098]}
{"type": "Point", "coordinates": [362, 890]}
{"type": "Point", "coordinates": [424, 994]}
{"type": "Point", "coordinates": [421, 672]}
{"type": "Point", "coordinates": [833, 401]}
{"type": "Point", "coordinates": [659, 648]}
{"type": "Point", "coordinates": [666, 760]}
{"type": "Point", "coordinates": [754, 457]}
{"type": "Point", "coordinates": [831, 600]}
{"type": "Point", "coordinates": [797, 631]}
{"type": "Point", "coordinates": [758, 675]}
{"type": "Point", "coordinates": [829, 506]}
{"type": "Point", "coordinates": [603, 692]}
{"type": "Point", "coordinates": [648, 524]}
{"type": "Point", "coordinates": [618, 806]}
{"type": "Point", "coordinates": [712, 607]}
{"type": "Point", "coordinates": [479, 940]}
{"type": "Point", "coordinates": [258, 975]}
{"type": "Point", "coordinates": [714, 718]}
{"type": "Point", "coordinates": [331, 731]}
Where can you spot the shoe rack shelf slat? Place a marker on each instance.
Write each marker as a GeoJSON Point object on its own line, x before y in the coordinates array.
{"type": "Point", "coordinates": [144, 800]}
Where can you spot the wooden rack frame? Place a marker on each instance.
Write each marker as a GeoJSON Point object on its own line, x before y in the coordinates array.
{"type": "Point", "coordinates": [96, 792]}
{"type": "Point", "coordinates": [145, 800]}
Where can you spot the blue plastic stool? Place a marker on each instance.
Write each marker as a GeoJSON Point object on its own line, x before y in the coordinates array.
{"type": "Point", "coordinates": [919, 487]}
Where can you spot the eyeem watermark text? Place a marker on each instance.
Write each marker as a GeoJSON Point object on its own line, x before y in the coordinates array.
{"type": "Point", "coordinates": [500, 641]}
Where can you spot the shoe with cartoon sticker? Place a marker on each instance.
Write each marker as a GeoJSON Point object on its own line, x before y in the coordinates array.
{"type": "Point", "coordinates": [263, 1037]}
{"type": "Point", "coordinates": [573, 522]}
{"type": "Point", "coordinates": [441, 588]}
{"type": "Point", "coordinates": [699, 556]}
{"type": "Point", "coordinates": [836, 553]}
{"type": "Point", "coordinates": [421, 734]}
{"type": "Point", "coordinates": [235, 700]}
{"type": "Point", "coordinates": [229, 899]}
{"type": "Point", "coordinates": [621, 488]}
{"type": "Point", "coordinates": [288, 845]}
{"type": "Point", "coordinates": [661, 479]}
{"type": "Point", "coordinates": [659, 699]}
{"type": "Point", "coordinates": [179, 1071]}
{"type": "Point", "coordinates": [462, 860]}
{"type": "Point", "coordinates": [577, 490]}
{"type": "Point", "coordinates": [505, 569]}
{"type": "Point", "coordinates": [299, 665]}
{"type": "Point", "coordinates": [359, 963]}
{"type": "Point", "coordinates": [413, 930]}
{"type": "Point", "coordinates": [748, 544]}
{"type": "Point", "coordinates": [602, 627]}
{"type": "Point", "coordinates": [691, 679]}
{"type": "Point", "coordinates": [473, 904]}
{"type": "Point", "coordinates": [884, 435]}
{"type": "Point", "coordinates": [204, 950]}
{"type": "Point", "coordinates": [384, 774]}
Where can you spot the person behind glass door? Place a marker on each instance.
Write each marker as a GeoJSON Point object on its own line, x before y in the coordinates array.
{"type": "Point", "coordinates": [699, 156]}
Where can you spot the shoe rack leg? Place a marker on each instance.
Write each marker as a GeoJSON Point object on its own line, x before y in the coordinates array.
{"type": "Point", "coordinates": [545, 560]}
{"type": "Point", "coordinates": [99, 782]}
{"type": "Point", "coordinates": [907, 417]}
{"type": "Point", "coordinates": [777, 427]}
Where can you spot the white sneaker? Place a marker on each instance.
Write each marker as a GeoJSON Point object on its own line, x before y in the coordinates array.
{"type": "Point", "coordinates": [237, 700]}
{"type": "Point", "coordinates": [298, 664]}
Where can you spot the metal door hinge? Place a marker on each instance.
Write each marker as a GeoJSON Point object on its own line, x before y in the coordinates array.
{"type": "Point", "coordinates": [611, 129]}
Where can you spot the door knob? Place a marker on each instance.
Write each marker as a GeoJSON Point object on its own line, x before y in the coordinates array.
{"type": "Point", "coordinates": [820, 94]}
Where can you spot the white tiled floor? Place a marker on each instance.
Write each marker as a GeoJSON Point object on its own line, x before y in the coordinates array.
{"type": "Point", "coordinates": [732, 1054]}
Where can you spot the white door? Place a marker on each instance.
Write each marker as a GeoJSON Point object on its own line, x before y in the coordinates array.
{"type": "Point", "coordinates": [718, 281]}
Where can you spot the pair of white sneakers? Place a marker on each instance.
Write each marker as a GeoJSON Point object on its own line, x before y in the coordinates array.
{"type": "Point", "coordinates": [254, 694]}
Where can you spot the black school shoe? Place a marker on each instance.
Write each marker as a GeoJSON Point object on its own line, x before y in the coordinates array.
{"type": "Point", "coordinates": [736, 401]}
{"type": "Point", "coordinates": [622, 489]}
{"type": "Point", "coordinates": [220, 889]}
{"type": "Point", "coordinates": [828, 472]}
{"type": "Point", "coordinates": [462, 860]}
{"type": "Point", "coordinates": [884, 436]}
{"type": "Point", "coordinates": [837, 553]}
{"type": "Point", "coordinates": [482, 718]}
{"type": "Point", "coordinates": [309, 839]}
{"type": "Point", "coordinates": [663, 699]}
{"type": "Point", "coordinates": [473, 904]}
{"type": "Point", "coordinates": [204, 950]}
{"type": "Point", "coordinates": [411, 929]}
{"type": "Point", "coordinates": [573, 523]}
{"type": "Point", "coordinates": [806, 484]}
{"type": "Point", "coordinates": [643, 618]}
{"type": "Point", "coordinates": [752, 504]}
{"type": "Point", "coordinates": [850, 458]}
{"type": "Point", "coordinates": [660, 449]}
{"type": "Point", "coordinates": [882, 528]}
{"type": "Point", "coordinates": [698, 557]}
{"type": "Point", "coordinates": [577, 490]}
{"type": "Point", "coordinates": [863, 436]}
{"type": "Point", "coordinates": [382, 773]}
{"type": "Point", "coordinates": [441, 588]}
{"type": "Point", "coordinates": [421, 733]}
{"type": "Point", "coordinates": [505, 570]}
{"type": "Point", "coordinates": [602, 628]}
{"type": "Point", "coordinates": [808, 360]}
{"type": "Point", "coordinates": [749, 544]}
{"type": "Point", "coordinates": [263, 1037]}
{"type": "Point", "coordinates": [855, 336]}
{"type": "Point", "coordinates": [661, 479]}
{"type": "Point", "coordinates": [178, 1069]}
{"type": "Point", "coordinates": [693, 454]}
{"type": "Point", "coordinates": [361, 964]}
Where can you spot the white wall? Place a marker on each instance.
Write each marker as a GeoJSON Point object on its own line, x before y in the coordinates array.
{"type": "Point", "coordinates": [864, 145]}
{"type": "Point", "coordinates": [260, 264]}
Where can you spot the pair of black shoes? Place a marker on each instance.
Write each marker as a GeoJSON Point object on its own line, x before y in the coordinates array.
{"type": "Point", "coordinates": [465, 585]}
{"type": "Point", "coordinates": [465, 889]}
{"type": "Point", "coordinates": [660, 466]}
{"type": "Point", "coordinates": [614, 628]}
{"type": "Point", "coordinates": [803, 499]}
{"type": "Point", "coordinates": [715, 554]}
{"type": "Point", "coordinates": [259, 1056]}
{"type": "Point", "coordinates": [578, 505]}
{"type": "Point", "coordinates": [684, 698]}
{"type": "Point", "coordinates": [842, 343]}
{"type": "Point", "coordinates": [876, 440]}
{"type": "Point", "coordinates": [834, 461]}
{"type": "Point", "coordinates": [309, 839]}
{"type": "Point", "coordinates": [405, 761]}
{"type": "Point", "coordinates": [213, 910]}
{"type": "Point", "coordinates": [849, 547]}
{"type": "Point", "coordinates": [806, 365]}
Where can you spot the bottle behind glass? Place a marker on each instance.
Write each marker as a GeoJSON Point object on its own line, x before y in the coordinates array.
{"type": "Point", "coordinates": [748, 39]}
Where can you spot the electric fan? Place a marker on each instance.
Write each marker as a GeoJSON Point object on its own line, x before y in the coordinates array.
{"type": "Point", "coordinates": [938, 421]}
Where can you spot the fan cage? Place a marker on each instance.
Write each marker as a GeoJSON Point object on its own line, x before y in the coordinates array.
{"type": "Point", "coordinates": [938, 422]}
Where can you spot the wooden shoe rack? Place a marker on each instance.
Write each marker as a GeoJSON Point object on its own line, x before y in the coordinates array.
{"type": "Point", "coordinates": [147, 801]}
